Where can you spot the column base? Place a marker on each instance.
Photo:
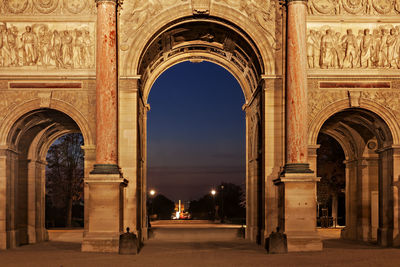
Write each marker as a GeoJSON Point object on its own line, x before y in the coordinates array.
{"type": "Point", "coordinates": [304, 241]}
{"type": "Point", "coordinates": [101, 242]}
{"type": "Point", "coordinates": [297, 204]}
{"type": "Point", "coordinates": [385, 237]}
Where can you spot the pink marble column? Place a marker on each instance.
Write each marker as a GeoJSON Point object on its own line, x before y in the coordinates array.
{"type": "Point", "coordinates": [296, 88]}
{"type": "Point", "coordinates": [106, 88]}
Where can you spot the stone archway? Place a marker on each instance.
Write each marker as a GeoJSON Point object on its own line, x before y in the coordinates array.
{"type": "Point", "coordinates": [213, 41]}
{"type": "Point", "coordinates": [367, 143]}
{"type": "Point", "coordinates": [23, 166]}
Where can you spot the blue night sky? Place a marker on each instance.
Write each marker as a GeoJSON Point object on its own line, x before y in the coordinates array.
{"type": "Point", "coordinates": [196, 131]}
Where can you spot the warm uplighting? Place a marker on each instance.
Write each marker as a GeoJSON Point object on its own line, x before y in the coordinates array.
{"type": "Point", "coordinates": [213, 192]}
{"type": "Point", "coordinates": [152, 192]}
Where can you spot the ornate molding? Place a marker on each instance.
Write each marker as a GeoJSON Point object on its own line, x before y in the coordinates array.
{"type": "Point", "coordinates": [354, 7]}
{"type": "Point", "coordinates": [48, 7]}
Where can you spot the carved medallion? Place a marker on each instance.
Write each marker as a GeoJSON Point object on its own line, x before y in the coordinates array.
{"type": "Point", "coordinates": [75, 6]}
{"type": "Point", "coordinates": [16, 6]}
{"type": "Point", "coordinates": [323, 6]}
{"type": "Point", "coordinates": [382, 6]}
{"type": "Point", "coordinates": [45, 6]}
{"type": "Point", "coordinates": [353, 6]}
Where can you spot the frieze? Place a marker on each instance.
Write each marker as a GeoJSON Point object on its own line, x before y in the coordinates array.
{"type": "Point", "coordinates": [47, 7]}
{"type": "Point", "coordinates": [42, 46]}
{"type": "Point", "coordinates": [353, 46]}
{"type": "Point", "coordinates": [354, 7]}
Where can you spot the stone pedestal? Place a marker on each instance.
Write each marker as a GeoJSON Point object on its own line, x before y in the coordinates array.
{"type": "Point", "coordinates": [297, 195]}
{"type": "Point", "coordinates": [105, 224]}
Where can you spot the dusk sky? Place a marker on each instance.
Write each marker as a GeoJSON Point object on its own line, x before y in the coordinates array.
{"type": "Point", "coordinates": [196, 131]}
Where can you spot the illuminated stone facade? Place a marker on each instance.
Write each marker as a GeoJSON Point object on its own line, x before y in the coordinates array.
{"type": "Point", "coordinates": [59, 58]}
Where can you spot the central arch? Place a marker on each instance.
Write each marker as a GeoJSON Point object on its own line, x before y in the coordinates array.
{"type": "Point", "coordinates": [219, 42]}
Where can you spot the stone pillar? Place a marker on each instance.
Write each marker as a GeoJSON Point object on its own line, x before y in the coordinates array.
{"type": "Point", "coordinates": [297, 182]}
{"type": "Point", "coordinates": [105, 181]}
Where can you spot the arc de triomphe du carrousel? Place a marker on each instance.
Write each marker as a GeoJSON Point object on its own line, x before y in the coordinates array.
{"type": "Point", "coordinates": [305, 67]}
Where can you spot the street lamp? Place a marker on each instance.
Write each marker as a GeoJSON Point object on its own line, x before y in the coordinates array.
{"type": "Point", "coordinates": [222, 204]}
{"type": "Point", "coordinates": [213, 193]}
{"type": "Point", "coordinates": [152, 192]}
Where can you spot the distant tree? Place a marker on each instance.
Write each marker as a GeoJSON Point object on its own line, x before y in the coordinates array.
{"type": "Point", "coordinates": [331, 169]}
{"type": "Point", "coordinates": [231, 197]}
{"type": "Point", "coordinates": [64, 173]}
{"type": "Point", "coordinates": [203, 208]}
{"type": "Point", "coordinates": [162, 206]}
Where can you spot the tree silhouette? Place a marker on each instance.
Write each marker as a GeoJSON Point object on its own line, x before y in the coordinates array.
{"type": "Point", "coordinates": [64, 173]}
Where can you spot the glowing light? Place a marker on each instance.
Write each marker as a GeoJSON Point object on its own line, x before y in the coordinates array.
{"type": "Point", "coordinates": [213, 192]}
{"type": "Point", "coordinates": [152, 192]}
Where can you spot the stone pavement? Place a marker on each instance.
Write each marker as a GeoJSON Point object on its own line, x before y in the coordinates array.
{"type": "Point", "coordinates": [236, 252]}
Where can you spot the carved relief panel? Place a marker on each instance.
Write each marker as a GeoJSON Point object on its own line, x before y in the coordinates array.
{"type": "Point", "coordinates": [354, 7]}
{"type": "Point", "coordinates": [35, 46]}
{"type": "Point", "coordinates": [353, 46]}
{"type": "Point", "coordinates": [64, 7]}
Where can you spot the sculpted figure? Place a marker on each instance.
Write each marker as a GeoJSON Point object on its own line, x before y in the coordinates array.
{"type": "Point", "coordinates": [139, 12]}
{"type": "Point", "coordinates": [366, 47]}
{"type": "Point", "coordinates": [79, 50]}
{"type": "Point", "coordinates": [391, 43]}
{"type": "Point", "coordinates": [327, 50]}
{"type": "Point", "coordinates": [29, 39]}
{"type": "Point", "coordinates": [310, 49]}
{"type": "Point", "coordinates": [66, 49]}
{"type": "Point", "coordinates": [88, 49]}
{"type": "Point", "coordinates": [44, 45]}
{"type": "Point", "coordinates": [349, 43]}
{"type": "Point", "coordinates": [383, 49]}
{"type": "Point", "coordinates": [12, 34]}
{"type": "Point", "coordinates": [57, 54]}
{"type": "Point", "coordinates": [3, 53]}
{"type": "Point", "coordinates": [375, 48]}
{"type": "Point", "coordinates": [339, 51]}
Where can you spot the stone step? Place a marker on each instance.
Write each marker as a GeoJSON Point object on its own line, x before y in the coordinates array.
{"type": "Point", "coordinates": [195, 234]}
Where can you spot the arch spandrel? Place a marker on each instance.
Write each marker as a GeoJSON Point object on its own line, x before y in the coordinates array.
{"type": "Point", "coordinates": [261, 29]}
{"type": "Point", "coordinates": [385, 114]}
{"type": "Point", "coordinates": [18, 112]}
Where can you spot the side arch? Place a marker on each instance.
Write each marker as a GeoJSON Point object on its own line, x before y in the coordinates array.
{"type": "Point", "coordinates": [385, 114]}
{"type": "Point", "coordinates": [19, 111]}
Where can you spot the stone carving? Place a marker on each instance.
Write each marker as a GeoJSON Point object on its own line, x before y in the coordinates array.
{"type": "Point", "coordinates": [75, 6]}
{"type": "Point", "coordinates": [330, 49]}
{"type": "Point", "coordinates": [45, 6]}
{"type": "Point", "coordinates": [262, 12]}
{"type": "Point", "coordinates": [320, 99]}
{"type": "Point", "coordinates": [30, 7]}
{"type": "Point", "coordinates": [353, 7]}
{"type": "Point", "coordinates": [46, 46]}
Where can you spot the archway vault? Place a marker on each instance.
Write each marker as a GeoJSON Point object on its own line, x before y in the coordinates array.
{"type": "Point", "coordinates": [198, 41]}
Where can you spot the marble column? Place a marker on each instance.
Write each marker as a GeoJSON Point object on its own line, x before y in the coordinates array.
{"type": "Point", "coordinates": [105, 182]}
{"type": "Point", "coordinates": [297, 182]}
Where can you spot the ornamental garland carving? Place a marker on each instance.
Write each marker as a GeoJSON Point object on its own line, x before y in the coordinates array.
{"type": "Point", "coordinates": [43, 46]}
{"type": "Point", "coordinates": [62, 7]}
{"type": "Point", "coordinates": [320, 99]}
{"type": "Point", "coordinates": [354, 48]}
{"type": "Point", "coordinates": [353, 7]}
{"type": "Point", "coordinates": [134, 13]}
